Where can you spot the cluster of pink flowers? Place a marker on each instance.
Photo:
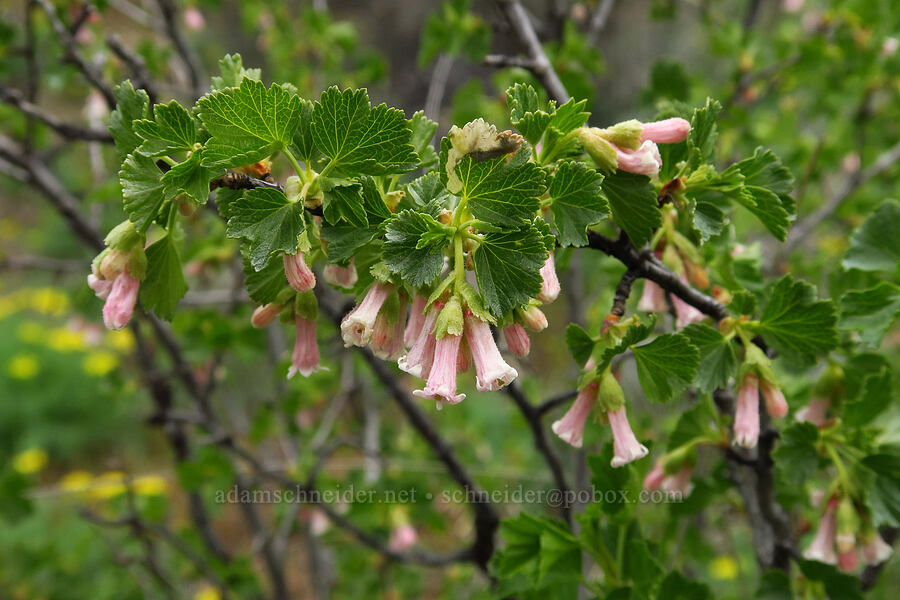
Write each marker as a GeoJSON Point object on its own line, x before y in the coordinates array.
{"type": "Point", "coordinates": [653, 299]}
{"type": "Point", "coordinates": [116, 274]}
{"type": "Point", "coordinates": [631, 145]}
{"type": "Point", "coordinates": [746, 417]}
{"type": "Point", "coordinates": [606, 393]}
{"type": "Point", "coordinates": [840, 529]}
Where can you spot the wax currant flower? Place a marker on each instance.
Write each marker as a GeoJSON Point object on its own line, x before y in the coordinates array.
{"type": "Point", "coordinates": [822, 546]}
{"type": "Point", "coordinates": [746, 418]}
{"type": "Point", "coordinates": [464, 357]}
{"type": "Point", "coordinates": [667, 131]}
{"type": "Point", "coordinates": [776, 405]}
{"type": "Point", "coordinates": [873, 548]}
{"type": "Point", "coordinates": [491, 371]}
{"type": "Point", "coordinates": [387, 335]}
{"type": "Point", "coordinates": [517, 339]}
{"type": "Point", "coordinates": [339, 276]}
{"type": "Point", "coordinates": [532, 318]}
{"type": "Point", "coordinates": [625, 445]}
{"type": "Point", "coordinates": [265, 314]}
{"type": "Point", "coordinates": [549, 282]}
{"type": "Point", "coordinates": [420, 356]}
{"type": "Point", "coordinates": [655, 477]}
{"type": "Point", "coordinates": [685, 314]}
{"type": "Point", "coordinates": [416, 319]}
{"type": "Point", "coordinates": [357, 326]}
{"type": "Point", "coordinates": [570, 428]}
{"type": "Point", "coordinates": [403, 538]}
{"type": "Point", "coordinates": [441, 384]}
{"type": "Point", "coordinates": [653, 298]}
{"type": "Point", "coordinates": [643, 161]}
{"type": "Point", "coordinates": [679, 485]}
{"type": "Point", "coordinates": [305, 359]}
{"type": "Point", "coordinates": [814, 412]}
{"type": "Point", "coordinates": [121, 300]}
{"type": "Point", "coordinates": [101, 287]}
{"type": "Point", "coordinates": [298, 273]}
{"type": "Point", "coordinates": [847, 527]}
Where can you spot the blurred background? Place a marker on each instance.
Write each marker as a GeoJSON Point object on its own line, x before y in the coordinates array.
{"type": "Point", "coordinates": [817, 81]}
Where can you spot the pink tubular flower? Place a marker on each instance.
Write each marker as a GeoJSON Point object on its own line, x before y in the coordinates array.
{"type": "Point", "coordinates": [305, 359]}
{"type": "Point", "coordinates": [814, 412]}
{"type": "Point", "coordinates": [776, 405]}
{"type": "Point", "coordinates": [532, 317]}
{"type": "Point", "coordinates": [625, 445]}
{"type": "Point", "coordinates": [549, 283]}
{"type": "Point", "coordinates": [848, 560]}
{"type": "Point", "coordinates": [655, 477]}
{"type": "Point", "coordinates": [357, 326]}
{"type": "Point", "coordinates": [463, 358]}
{"type": "Point", "coordinates": [491, 371]}
{"type": "Point", "coordinates": [416, 319]}
{"type": "Point", "coordinates": [441, 384]}
{"type": "Point", "coordinates": [570, 428]}
{"type": "Point", "coordinates": [685, 314]}
{"type": "Point", "coordinates": [679, 485]}
{"type": "Point", "coordinates": [822, 547]}
{"type": "Point", "coordinates": [298, 273]}
{"type": "Point", "coordinates": [121, 300]}
{"type": "Point", "coordinates": [265, 314]}
{"type": "Point", "coordinates": [390, 346]}
{"type": "Point", "coordinates": [403, 538]}
{"type": "Point", "coordinates": [667, 131]}
{"type": "Point", "coordinates": [339, 276]}
{"type": "Point", "coordinates": [517, 339]}
{"type": "Point", "coordinates": [101, 287]}
{"type": "Point", "coordinates": [875, 550]}
{"type": "Point", "coordinates": [643, 161]}
{"type": "Point", "coordinates": [653, 298]}
{"type": "Point", "coordinates": [746, 418]}
{"type": "Point", "coordinates": [419, 358]}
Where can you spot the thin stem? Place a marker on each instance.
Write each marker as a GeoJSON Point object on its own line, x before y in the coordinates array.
{"type": "Point", "coordinates": [295, 163]}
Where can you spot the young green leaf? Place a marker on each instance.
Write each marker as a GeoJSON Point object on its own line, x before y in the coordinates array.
{"type": "Point", "coordinates": [577, 201]}
{"type": "Point", "coordinates": [702, 139]}
{"type": "Point", "coordinates": [190, 177]}
{"type": "Point", "coordinates": [636, 333]}
{"type": "Point", "coordinates": [360, 139]}
{"type": "Point", "coordinates": [247, 123]}
{"type": "Point", "coordinates": [876, 397]}
{"type": "Point", "coordinates": [269, 221]}
{"type": "Point", "coordinates": [233, 71]}
{"type": "Point", "coordinates": [142, 189]}
{"type": "Point", "coordinates": [303, 146]}
{"type": "Point", "coordinates": [131, 104]}
{"type": "Point", "coordinates": [263, 285]}
{"type": "Point", "coordinates": [875, 245]}
{"type": "Point", "coordinates": [666, 365]}
{"type": "Point", "coordinates": [499, 191]}
{"type": "Point", "coordinates": [580, 343]}
{"type": "Point", "coordinates": [423, 130]}
{"type": "Point", "coordinates": [426, 194]}
{"type": "Point", "coordinates": [345, 240]}
{"type": "Point", "coordinates": [164, 284]}
{"type": "Point", "coordinates": [872, 312]}
{"type": "Point", "coordinates": [344, 203]}
{"type": "Point", "coordinates": [172, 129]}
{"type": "Point", "coordinates": [796, 325]}
{"type": "Point", "coordinates": [717, 360]}
{"type": "Point", "coordinates": [416, 262]}
{"type": "Point", "coordinates": [507, 266]}
{"type": "Point", "coordinates": [633, 204]}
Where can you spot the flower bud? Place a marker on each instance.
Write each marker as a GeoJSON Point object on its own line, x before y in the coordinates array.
{"type": "Point", "coordinates": [292, 188]}
{"type": "Point", "coordinates": [517, 339]}
{"type": "Point", "coordinates": [532, 318]}
{"type": "Point", "coordinates": [601, 151]}
{"type": "Point", "coordinates": [653, 298]}
{"type": "Point", "coordinates": [626, 134]}
{"type": "Point", "coordinates": [646, 160]}
{"type": "Point", "coordinates": [667, 131]}
{"type": "Point", "coordinates": [626, 447]}
{"type": "Point", "coordinates": [298, 273]}
{"type": "Point", "coordinates": [549, 281]}
{"type": "Point", "coordinates": [121, 300]}
{"type": "Point", "coordinates": [776, 405]}
{"type": "Point", "coordinates": [264, 315]}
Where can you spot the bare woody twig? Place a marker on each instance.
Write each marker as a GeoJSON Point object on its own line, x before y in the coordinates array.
{"type": "Point", "coordinates": [185, 51]}
{"type": "Point", "coordinates": [69, 131]}
{"type": "Point", "coordinates": [599, 20]}
{"type": "Point", "coordinates": [136, 64]}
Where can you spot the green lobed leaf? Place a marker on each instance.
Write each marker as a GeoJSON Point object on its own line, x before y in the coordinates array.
{"type": "Point", "coordinates": [577, 201]}
{"type": "Point", "coordinates": [143, 190]}
{"type": "Point", "coordinates": [872, 312]}
{"type": "Point", "coordinates": [264, 285]}
{"type": "Point", "coordinates": [500, 191]}
{"type": "Point", "coordinates": [614, 486]}
{"type": "Point", "coordinates": [232, 72]}
{"type": "Point", "coordinates": [580, 343]}
{"type": "Point", "coordinates": [717, 359]}
{"type": "Point", "coordinates": [247, 123]}
{"type": "Point", "coordinates": [636, 333]}
{"type": "Point", "coordinates": [427, 194]}
{"type": "Point", "coordinates": [416, 263]}
{"type": "Point", "coordinates": [796, 451]}
{"type": "Point", "coordinates": [875, 245]}
{"type": "Point", "coordinates": [345, 240]}
{"type": "Point", "coordinates": [360, 139]}
{"type": "Point", "coordinates": [131, 104]}
{"type": "Point", "coordinates": [303, 146]}
{"type": "Point", "coordinates": [190, 177]}
{"type": "Point", "coordinates": [507, 266]}
{"type": "Point", "coordinates": [877, 394]}
{"type": "Point", "coordinates": [164, 284]}
{"type": "Point", "coordinates": [172, 129]}
{"type": "Point", "coordinates": [535, 545]}
{"type": "Point", "coordinates": [693, 423]}
{"type": "Point", "coordinates": [632, 201]}
{"type": "Point", "coordinates": [837, 584]}
{"type": "Point", "coordinates": [423, 130]}
{"type": "Point", "coordinates": [269, 221]}
{"type": "Point", "coordinates": [666, 365]}
{"type": "Point", "coordinates": [702, 139]}
{"type": "Point", "coordinates": [884, 491]}
{"type": "Point", "coordinates": [796, 325]}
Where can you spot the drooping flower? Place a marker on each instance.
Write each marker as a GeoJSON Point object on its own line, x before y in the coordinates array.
{"type": "Point", "coordinates": [121, 300]}
{"type": "Point", "coordinates": [387, 335]}
{"type": "Point", "coordinates": [685, 314]}
{"type": "Point", "coordinates": [814, 412]}
{"type": "Point", "coordinates": [655, 477]}
{"type": "Point", "coordinates": [532, 318]}
{"type": "Point", "coordinates": [416, 319]}
{"type": "Point", "coordinates": [873, 548]}
{"type": "Point", "coordinates": [463, 357]}
{"type": "Point", "coordinates": [517, 339]}
{"type": "Point", "coordinates": [822, 546]}
{"type": "Point", "coordinates": [101, 287]}
{"type": "Point", "coordinates": [653, 298]}
{"type": "Point", "coordinates": [848, 525]}
{"type": "Point", "coordinates": [403, 538]}
{"type": "Point", "coordinates": [746, 418]}
{"type": "Point", "coordinates": [441, 384]}
{"type": "Point", "coordinates": [643, 161]}
{"type": "Point", "coordinates": [298, 273]}
{"type": "Point", "coordinates": [570, 428]}
{"type": "Point", "coordinates": [357, 326]}
{"type": "Point", "coordinates": [491, 371]}
{"type": "Point", "coordinates": [549, 282]}
{"type": "Point", "coordinates": [305, 359]}
{"type": "Point", "coordinates": [679, 485]}
{"type": "Point", "coordinates": [626, 447]}
{"type": "Point", "coordinates": [667, 131]}
{"type": "Point", "coordinates": [264, 315]}
{"type": "Point", "coordinates": [776, 405]}
{"type": "Point", "coordinates": [339, 276]}
{"type": "Point", "coordinates": [419, 358]}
